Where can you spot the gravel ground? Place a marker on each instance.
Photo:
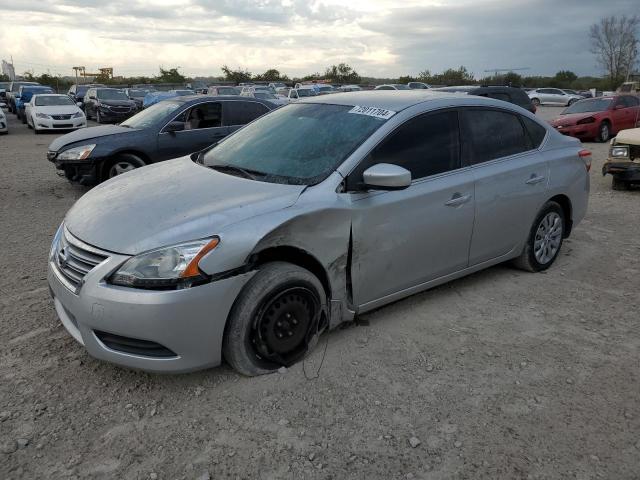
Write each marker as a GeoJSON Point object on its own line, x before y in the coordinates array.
{"type": "Point", "coordinates": [502, 374]}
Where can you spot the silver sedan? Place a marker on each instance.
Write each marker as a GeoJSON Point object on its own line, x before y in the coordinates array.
{"type": "Point", "coordinates": [312, 214]}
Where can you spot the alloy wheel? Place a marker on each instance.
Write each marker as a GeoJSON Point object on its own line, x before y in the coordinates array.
{"type": "Point", "coordinates": [119, 168]}
{"type": "Point", "coordinates": [548, 238]}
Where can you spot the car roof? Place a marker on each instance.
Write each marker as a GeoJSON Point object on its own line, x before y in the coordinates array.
{"type": "Point", "coordinates": [225, 98]}
{"type": "Point", "coordinates": [397, 100]}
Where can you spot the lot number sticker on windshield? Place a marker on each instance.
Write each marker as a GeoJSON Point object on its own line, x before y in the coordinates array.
{"type": "Point", "coordinates": [373, 112]}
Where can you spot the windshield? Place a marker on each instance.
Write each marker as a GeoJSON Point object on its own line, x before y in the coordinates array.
{"type": "Point", "coordinates": [111, 95]}
{"type": "Point", "coordinates": [298, 144]}
{"type": "Point", "coordinates": [402, 87]}
{"type": "Point", "coordinates": [591, 105]}
{"type": "Point", "coordinates": [149, 116]}
{"type": "Point", "coordinates": [53, 100]}
{"type": "Point", "coordinates": [306, 92]}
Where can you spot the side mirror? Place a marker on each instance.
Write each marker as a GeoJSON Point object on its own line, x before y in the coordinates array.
{"type": "Point", "coordinates": [79, 104]}
{"type": "Point", "coordinates": [174, 127]}
{"type": "Point", "coordinates": [385, 176]}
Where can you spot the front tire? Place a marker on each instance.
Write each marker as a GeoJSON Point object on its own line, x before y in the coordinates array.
{"type": "Point", "coordinates": [122, 164]}
{"type": "Point", "coordinates": [274, 321]}
{"type": "Point", "coordinates": [545, 239]}
{"type": "Point", "coordinates": [619, 184]}
{"type": "Point", "coordinates": [604, 132]}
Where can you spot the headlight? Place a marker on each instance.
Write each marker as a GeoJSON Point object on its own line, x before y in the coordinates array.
{"type": "Point", "coordinates": [78, 115]}
{"type": "Point", "coordinates": [77, 153]}
{"type": "Point", "coordinates": [619, 152]}
{"type": "Point", "coordinates": [585, 121]}
{"type": "Point", "coordinates": [175, 266]}
{"type": "Point", "coordinates": [42, 115]}
{"type": "Point", "coordinates": [56, 239]}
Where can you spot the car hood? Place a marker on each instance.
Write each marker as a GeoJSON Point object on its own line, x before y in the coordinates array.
{"type": "Point", "coordinates": [57, 109]}
{"type": "Point", "coordinates": [628, 137]}
{"type": "Point", "coordinates": [118, 103]}
{"type": "Point", "coordinates": [87, 134]}
{"type": "Point", "coordinates": [168, 203]}
{"type": "Point", "coordinates": [571, 118]}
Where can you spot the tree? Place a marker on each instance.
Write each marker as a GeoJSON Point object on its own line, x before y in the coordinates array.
{"type": "Point", "coordinates": [406, 79]}
{"type": "Point", "coordinates": [614, 42]}
{"type": "Point", "coordinates": [170, 76]}
{"type": "Point", "coordinates": [236, 76]}
{"type": "Point", "coordinates": [4, 78]}
{"type": "Point", "coordinates": [566, 77]}
{"type": "Point", "coordinates": [341, 73]}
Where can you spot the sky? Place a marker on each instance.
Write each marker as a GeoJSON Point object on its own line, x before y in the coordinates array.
{"type": "Point", "coordinates": [378, 38]}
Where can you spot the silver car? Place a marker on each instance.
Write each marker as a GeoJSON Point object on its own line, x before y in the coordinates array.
{"type": "Point", "coordinates": [306, 217]}
{"type": "Point", "coordinates": [552, 96]}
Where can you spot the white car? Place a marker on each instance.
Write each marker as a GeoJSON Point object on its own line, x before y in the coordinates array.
{"type": "Point", "coordinates": [552, 96]}
{"type": "Point", "coordinates": [264, 94]}
{"type": "Point", "coordinates": [53, 112]}
{"type": "Point", "coordinates": [393, 86]}
{"type": "Point", "coordinates": [3, 122]}
{"type": "Point", "coordinates": [301, 92]}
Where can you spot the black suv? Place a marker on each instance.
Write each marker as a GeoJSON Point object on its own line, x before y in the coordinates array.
{"type": "Point", "coordinates": [517, 96]}
{"type": "Point", "coordinates": [77, 92]}
{"type": "Point", "coordinates": [169, 129]}
{"type": "Point", "coordinates": [108, 105]}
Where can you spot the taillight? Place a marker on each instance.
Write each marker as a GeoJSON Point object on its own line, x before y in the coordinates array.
{"type": "Point", "coordinates": [585, 155]}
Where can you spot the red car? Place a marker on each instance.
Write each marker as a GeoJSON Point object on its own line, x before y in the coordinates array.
{"type": "Point", "coordinates": [599, 118]}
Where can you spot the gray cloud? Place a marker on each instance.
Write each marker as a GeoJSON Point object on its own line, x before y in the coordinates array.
{"type": "Point", "coordinates": [545, 35]}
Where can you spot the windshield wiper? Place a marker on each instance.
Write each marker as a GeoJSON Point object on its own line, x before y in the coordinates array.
{"type": "Point", "coordinates": [251, 174]}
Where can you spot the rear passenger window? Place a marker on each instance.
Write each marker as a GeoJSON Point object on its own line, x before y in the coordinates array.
{"type": "Point", "coordinates": [241, 113]}
{"type": "Point", "coordinates": [493, 134]}
{"type": "Point", "coordinates": [536, 131]}
{"type": "Point", "coordinates": [425, 145]}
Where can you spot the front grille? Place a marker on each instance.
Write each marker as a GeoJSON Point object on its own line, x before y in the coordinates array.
{"type": "Point", "coordinates": [74, 259]}
{"type": "Point", "coordinates": [120, 109]}
{"type": "Point", "coordinates": [63, 125]}
{"type": "Point", "coordinates": [61, 117]}
{"type": "Point", "coordinates": [134, 346]}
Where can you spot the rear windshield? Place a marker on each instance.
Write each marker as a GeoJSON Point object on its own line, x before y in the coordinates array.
{"type": "Point", "coordinates": [111, 95]}
{"type": "Point", "coordinates": [298, 144]}
{"type": "Point", "coordinates": [52, 100]}
{"type": "Point", "coordinates": [589, 105]}
{"type": "Point", "coordinates": [227, 91]}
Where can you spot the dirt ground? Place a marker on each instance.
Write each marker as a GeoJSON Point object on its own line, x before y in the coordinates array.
{"type": "Point", "coordinates": [503, 374]}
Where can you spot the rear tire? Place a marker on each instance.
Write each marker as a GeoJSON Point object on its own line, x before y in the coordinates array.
{"type": "Point", "coordinates": [545, 239]}
{"type": "Point", "coordinates": [619, 184]}
{"type": "Point", "coordinates": [604, 132]}
{"type": "Point", "coordinates": [274, 321]}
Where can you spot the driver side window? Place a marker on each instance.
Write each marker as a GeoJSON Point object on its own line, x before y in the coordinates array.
{"type": "Point", "coordinates": [204, 115]}
{"type": "Point", "coordinates": [425, 145]}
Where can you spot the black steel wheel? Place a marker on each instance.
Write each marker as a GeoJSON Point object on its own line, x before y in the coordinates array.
{"type": "Point", "coordinates": [274, 320]}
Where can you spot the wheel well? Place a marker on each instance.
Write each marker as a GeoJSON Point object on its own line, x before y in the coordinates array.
{"type": "Point", "coordinates": [565, 203]}
{"type": "Point", "coordinates": [296, 256]}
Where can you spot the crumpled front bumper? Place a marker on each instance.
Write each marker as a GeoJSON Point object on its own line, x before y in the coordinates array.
{"type": "Point", "coordinates": [625, 170]}
{"type": "Point", "coordinates": [189, 323]}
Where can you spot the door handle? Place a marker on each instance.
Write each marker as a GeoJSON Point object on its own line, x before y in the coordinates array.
{"type": "Point", "coordinates": [457, 200]}
{"type": "Point", "coordinates": [534, 179]}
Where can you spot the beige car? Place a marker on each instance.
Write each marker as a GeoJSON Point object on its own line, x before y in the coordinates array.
{"type": "Point", "coordinates": [624, 159]}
